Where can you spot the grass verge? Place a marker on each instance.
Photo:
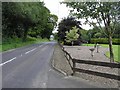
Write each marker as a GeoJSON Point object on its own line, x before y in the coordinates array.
{"type": "Point", "coordinates": [16, 42]}
{"type": "Point", "coordinates": [116, 50]}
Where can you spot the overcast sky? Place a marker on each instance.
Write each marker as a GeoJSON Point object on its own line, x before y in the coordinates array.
{"type": "Point", "coordinates": [56, 8]}
{"type": "Point", "coordinates": [60, 10]}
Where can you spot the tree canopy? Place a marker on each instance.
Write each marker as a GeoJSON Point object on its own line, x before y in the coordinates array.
{"type": "Point", "coordinates": [66, 25]}
{"type": "Point", "coordinates": [26, 18]}
{"type": "Point", "coordinates": [72, 35]}
{"type": "Point", "coordinates": [106, 13]}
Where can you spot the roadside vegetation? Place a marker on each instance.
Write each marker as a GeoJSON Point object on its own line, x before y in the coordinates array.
{"type": "Point", "coordinates": [25, 23]}
{"type": "Point", "coordinates": [17, 42]}
{"type": "Point", "coordinates": [67, 25]}
{"type": "Point", "coordinates": [103, 16]}
{"type": "Point", "coordinates": [72, 35]}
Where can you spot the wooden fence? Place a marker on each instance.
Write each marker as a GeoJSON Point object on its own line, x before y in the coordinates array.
{"type": "Point", "coordinates": [73, 61]}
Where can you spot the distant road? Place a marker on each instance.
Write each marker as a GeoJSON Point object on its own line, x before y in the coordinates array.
{"type": "Point", "coordinates": [30, 67]}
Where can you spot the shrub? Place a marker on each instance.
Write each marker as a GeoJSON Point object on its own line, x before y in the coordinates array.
{"type": "Point", "coordinates": [105, 41]}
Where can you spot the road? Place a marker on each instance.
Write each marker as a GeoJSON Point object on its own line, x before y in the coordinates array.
{"type": "Point", "coordinates": [30, 67]}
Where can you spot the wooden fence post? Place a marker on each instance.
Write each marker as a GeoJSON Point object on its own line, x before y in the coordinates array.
{"type": "Point", "coordinates": [74, 65]}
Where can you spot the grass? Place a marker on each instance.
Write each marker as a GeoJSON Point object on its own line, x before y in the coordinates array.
{"type": "Point", "coordinates": [16, 42]}
{"type": "Point", "coordinates": [116, 50]}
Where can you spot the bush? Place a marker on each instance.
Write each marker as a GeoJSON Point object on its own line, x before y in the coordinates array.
{"type": "Point", "coordinates": [105, 41]}
{"type": "Point", "coordinates": [10, 43]}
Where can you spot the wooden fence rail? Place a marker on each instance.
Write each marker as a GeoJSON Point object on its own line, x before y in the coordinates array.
{"type": "Point", "coordinates": [73, 61]}
{"type": "Point", "coordinates": [97, 63]}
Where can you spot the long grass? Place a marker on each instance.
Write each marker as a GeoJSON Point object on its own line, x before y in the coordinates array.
{"type": "Point", "coordinates": [116, 50]}
{"type": "Point", "coordinates": [16, 42]}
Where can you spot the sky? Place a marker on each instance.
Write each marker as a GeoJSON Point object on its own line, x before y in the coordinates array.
{"type": "Point", "coordinates": [61, 11]}
{"type": "Point", "coordinates": [56, 8]}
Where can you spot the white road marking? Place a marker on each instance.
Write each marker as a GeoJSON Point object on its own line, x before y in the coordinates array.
{"type": "Point", "coordinates": [16, 57]}
{"type": "Point", "coordinates": [21, 55]}
{"type": "Point", "coordinates": [30, 51]}
{"type": "Point", "coordinates": [7, 61]}
{"type": "Point", "coordinates": [50, 69]}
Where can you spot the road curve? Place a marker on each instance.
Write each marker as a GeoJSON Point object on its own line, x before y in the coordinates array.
{"type": "Point", "coordinates": [30, 67]}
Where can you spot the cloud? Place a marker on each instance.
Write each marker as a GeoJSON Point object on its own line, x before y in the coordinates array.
{"type": "Point", "coordinates": [56, 8]}
{"type": "Point", "coordinates": [61, 10]}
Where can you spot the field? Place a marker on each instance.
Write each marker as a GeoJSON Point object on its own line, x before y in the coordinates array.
{"type": "Point", "coordinates": [116, 50]}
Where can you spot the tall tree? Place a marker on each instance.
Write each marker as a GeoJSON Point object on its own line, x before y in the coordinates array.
{"type": "Point", "coordinates": [53, 19]}
{"type": "Point", "coordinates": [66, 25]}
{"type": "Point", "coordinates": [103, 12]}
{"type": "Point", "coordinates": [23, 18]}
{"type": "Point", "coordinates": [72, 35]}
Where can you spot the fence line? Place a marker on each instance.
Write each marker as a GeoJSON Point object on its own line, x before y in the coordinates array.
{"type": "Point", "coordinates": [73, 61]}
{"type": "Point", "coordinates": [97, 63]}
{"type": "Point", "coordinates": [106, 75]}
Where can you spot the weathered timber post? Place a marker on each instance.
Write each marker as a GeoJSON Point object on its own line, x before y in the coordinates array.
{"type": "Point", "coordinates": [92, 51]}
{"type": "Point", "coordinates": [97, 47]}
{"type": "Point", "coordinates": [74, 65]}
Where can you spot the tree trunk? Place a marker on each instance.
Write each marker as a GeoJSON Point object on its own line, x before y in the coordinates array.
{"type": "Point", "coordinates": [107, 26]}
{"type": "Point", "coordinates": [111, 49]}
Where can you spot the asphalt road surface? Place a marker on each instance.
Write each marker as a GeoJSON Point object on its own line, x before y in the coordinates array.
{"type": "Point", "coordinates": [30, 67]}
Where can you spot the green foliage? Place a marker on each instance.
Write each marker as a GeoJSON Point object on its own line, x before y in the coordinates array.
{"type": "Point", "coordinates": [72, 35]}
{"type": "Point", "coordinates": [96, 30]}
{"type": "Point", "coordinates": [84, 35]}
{"type": "Point", "coordinates": [105, 41]}
{"type": "Point", "coordinates": [115, 50]}
{"type": "Point", "coordinates": [95, 10]}
{"type": "Point", "coordinates": [66, 25]}
{"type": "Point", "coordinates": [11, 43]}
{"type": "Point", "coordinates": [53, 19]}
{"type": "Point", "coordinates": [106, 12]}
{"type": "Point", "coordinates": [97, 35]}
{"type": "Point", "coordinates": [55, 36]}
{"type": "Point", "coordinates": [21, 19]}
{"type": "Point", "coordinates": [117, 31]}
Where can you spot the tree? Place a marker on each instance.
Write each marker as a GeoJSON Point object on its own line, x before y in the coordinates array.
{"type": "Point", "coordinates": [97, 35]}
{"type": "Point", "coordinates": [72, 35]}
{"type": "Point", "coordinates": [55, 36]}
{"type": "Point", "coordinates": [84, 35]}
{"type": "Point", "coordinates": [66, 25]}
{"type": "Point", "coordinates": [103, 12]}
{"type": "Point", "coordinates": [53, 19]}
{"type": "Point", "coordinates": [117, 31]}
{"type": "Point", "coordinates": [20, 19]}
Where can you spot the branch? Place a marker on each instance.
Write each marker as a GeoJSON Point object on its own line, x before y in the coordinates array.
{"type": "Point", "coordinates": [114, 23]}
{"type": "Point", "coordinates": [100, 27]}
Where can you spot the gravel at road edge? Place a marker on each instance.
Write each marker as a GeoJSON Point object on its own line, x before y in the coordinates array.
{"type": "Point", "coordinates": [59, 61]}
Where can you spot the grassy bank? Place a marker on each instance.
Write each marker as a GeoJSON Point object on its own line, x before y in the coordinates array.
{"type": "Point", "coordinates": [116, 50]}
{"type": "Point", "coordinates": [16, 42]}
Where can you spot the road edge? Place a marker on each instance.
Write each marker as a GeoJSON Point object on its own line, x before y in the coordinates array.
{"type": "Point", "coordinates": [57, 69]}
{"type": "Point", "coordinates": [53, 65]}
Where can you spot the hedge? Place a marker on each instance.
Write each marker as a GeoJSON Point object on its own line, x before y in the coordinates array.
{"type": "Point", "coordinates": [115, 41]}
